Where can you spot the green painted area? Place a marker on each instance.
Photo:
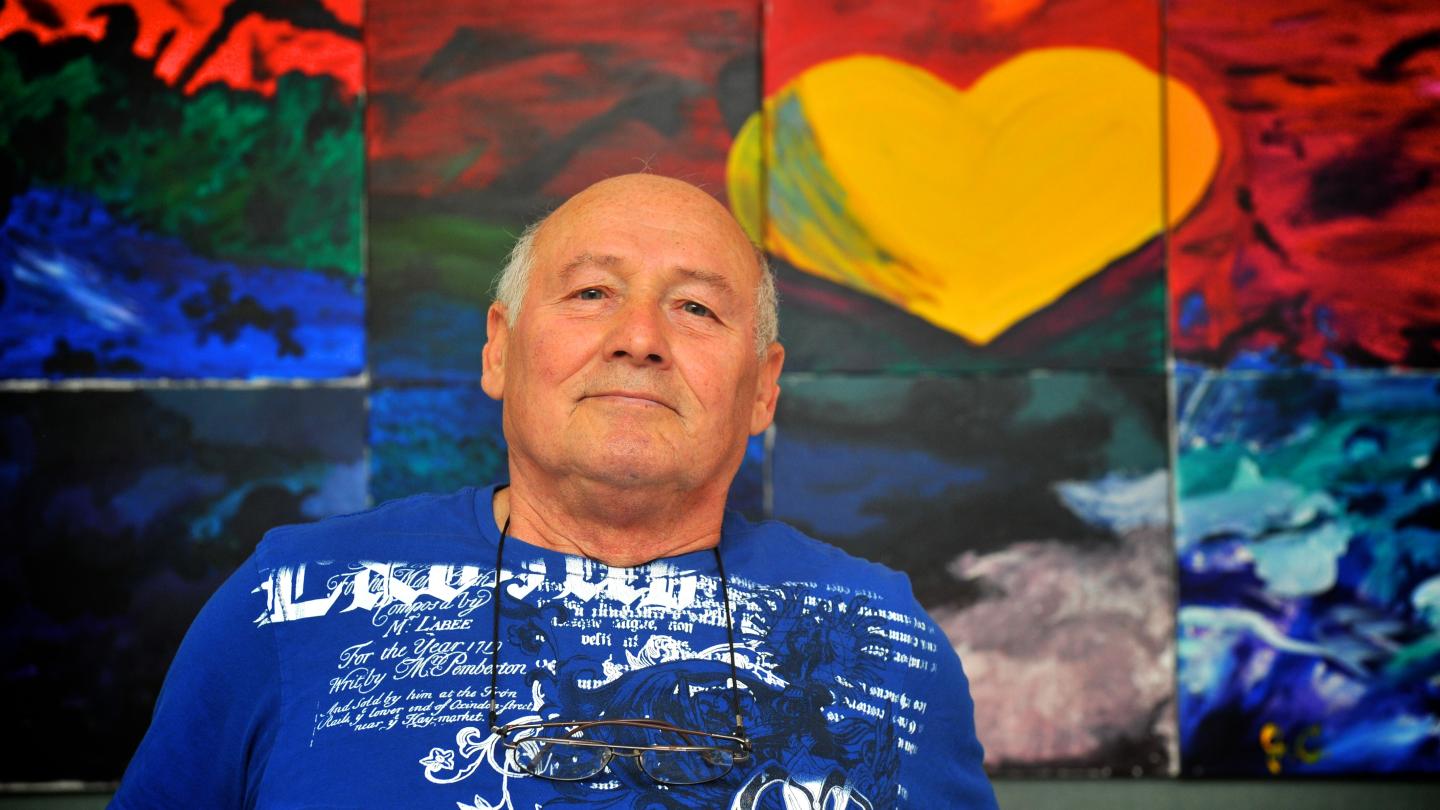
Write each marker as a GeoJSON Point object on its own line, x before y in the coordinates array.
{"type": "Point", "coordinates": [232, 174]}
{"type": "Point", "coordinates": [808, 206]}
{"type": "Point", "coordinates": [1133, 328]}
{"type": "Point", "coordinates": [451, 169]}
{"type": "Point", "coordinates": [745, 178]}
{"type": "Point", "coordinates": [452, 255]}
{"type": "Point", "coordinates": [878, 337]}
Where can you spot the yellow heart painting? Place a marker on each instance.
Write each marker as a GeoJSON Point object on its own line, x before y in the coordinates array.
{"type": "Point", "coordinates": [973, 208]}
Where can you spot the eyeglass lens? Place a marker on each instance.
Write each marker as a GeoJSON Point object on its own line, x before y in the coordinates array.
{"type": "Point", "coordinates": [556, 759]}
{"type": "Point", "coordinates": [686, 767]}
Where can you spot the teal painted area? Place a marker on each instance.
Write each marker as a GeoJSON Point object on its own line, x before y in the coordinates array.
{"type": "Point", "coordinates": [433, 439]}
{"type": "Point", "coordinates": [1129, 436]}
{"type": "Point", "coordinates": [1133, 440]}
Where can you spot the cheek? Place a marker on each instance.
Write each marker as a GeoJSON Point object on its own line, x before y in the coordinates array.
{"type": "Point", "coordinates": [554, 356]}
{"type": "Point", "coordinates": [727, 391]}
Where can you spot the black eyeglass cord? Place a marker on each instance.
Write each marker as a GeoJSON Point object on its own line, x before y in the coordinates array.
{"type": "Point", "coordinates": [730, 637]}
{"type": "Point", "coordinates": [495, 634]}
{"type": "Point", "coordinates": [495, 625]}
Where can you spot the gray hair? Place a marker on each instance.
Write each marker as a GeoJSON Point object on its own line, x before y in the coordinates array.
{"type": "Point", "coordinates": [514, 278]}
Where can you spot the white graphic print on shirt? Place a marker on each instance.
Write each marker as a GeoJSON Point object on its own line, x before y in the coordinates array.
{"type": "Point", "coordinates": [817, 666]}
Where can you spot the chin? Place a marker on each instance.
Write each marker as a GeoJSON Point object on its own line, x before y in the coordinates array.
{"type": "Point", "coordinates": [634, 457]}
{"type": "Point", "coordinates": [630, 478]}
{"type": "Point", "coordinates": [622, 467]}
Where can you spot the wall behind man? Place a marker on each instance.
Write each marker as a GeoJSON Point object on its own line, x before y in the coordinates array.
{"type": "Point", "coordinates": [1112, 323]}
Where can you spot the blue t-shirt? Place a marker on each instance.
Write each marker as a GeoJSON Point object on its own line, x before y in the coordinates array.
{"type": "Point", "coordinates": [347, 664]}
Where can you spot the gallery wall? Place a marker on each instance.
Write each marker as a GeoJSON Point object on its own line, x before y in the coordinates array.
{"type": "Point", "coordinates": [1114, 323]}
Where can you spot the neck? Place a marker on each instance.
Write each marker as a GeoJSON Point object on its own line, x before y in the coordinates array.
{"type": "Point", "coordinates": [617, 526]}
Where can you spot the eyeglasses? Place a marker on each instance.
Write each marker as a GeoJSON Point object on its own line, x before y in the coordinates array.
{"type": "Point", "coordinates": [670, 755]}
{"type": "Point", "coordinates": [566, 750]}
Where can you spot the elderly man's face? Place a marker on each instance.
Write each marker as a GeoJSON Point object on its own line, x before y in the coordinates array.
{"type": "Point", "coordinates": [633, 359]}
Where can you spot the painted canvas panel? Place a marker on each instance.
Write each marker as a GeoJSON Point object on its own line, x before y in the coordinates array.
{"type": "Point", "coordinates": [438, 438]}
{"type": "Point", "coordinates": [434, 439]}
{"type": "Point", "coordinates": [965, 185]}
{"type": "Point", "coordinates": [1318, 245]}
{"type": "Point", "coordinates": [180, 189]}
{"type": "Point", "coordinates": [121, 511]}
{"type": "Point", "coordinates": [1031, 514]}
{"type": "Point", "coordinates": [1308, 537]}
{"type": "Point", "coordinates": [485, 115]}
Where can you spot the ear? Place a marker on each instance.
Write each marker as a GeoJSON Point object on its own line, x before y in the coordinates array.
{"type": "Point", "coordinates": [492, 357]}
{"type": "Point", "coordinates": [767, 389]}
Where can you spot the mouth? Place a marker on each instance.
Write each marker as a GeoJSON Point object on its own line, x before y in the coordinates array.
{"type": "Point", "coordinates": [634, 399]}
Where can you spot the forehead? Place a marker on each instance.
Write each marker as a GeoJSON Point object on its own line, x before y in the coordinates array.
{"type": "Point", "coordinates": [636, 232]}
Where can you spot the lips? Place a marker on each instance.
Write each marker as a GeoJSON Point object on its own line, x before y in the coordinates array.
{"type": "Point", "coordinates": [639, 399]}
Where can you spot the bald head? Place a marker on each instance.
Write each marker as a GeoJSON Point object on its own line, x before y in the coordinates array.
{"type": "Point", "coordinates": [658, 201]}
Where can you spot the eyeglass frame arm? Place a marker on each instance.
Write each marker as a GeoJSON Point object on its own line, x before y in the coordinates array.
{"type": "Point", "coordinates": [740, 755]}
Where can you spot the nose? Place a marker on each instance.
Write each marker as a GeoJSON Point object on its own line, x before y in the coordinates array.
{"type": "Point", "coordinates": [638, 335]}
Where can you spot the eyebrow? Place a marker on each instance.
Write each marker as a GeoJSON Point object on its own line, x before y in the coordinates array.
{"type": "Point", "coordinates": [709, 278]}
{"type": "Point", "coordinates": [602, 260]}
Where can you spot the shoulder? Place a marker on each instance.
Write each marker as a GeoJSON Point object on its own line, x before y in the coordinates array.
{"type": "Point", "coordinates": [788, 553]}
{"type": "Point", "coordinates": [376, 529]}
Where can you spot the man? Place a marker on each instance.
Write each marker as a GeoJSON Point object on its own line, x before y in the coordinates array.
{"type": "Point", "coordinates": [600, 631]}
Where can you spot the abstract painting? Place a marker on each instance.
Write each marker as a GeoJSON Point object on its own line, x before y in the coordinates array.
{"type": "Point", "coordinates": [1031, 514]}
{"type": "Point", "coordinates": [1318, 243]}
{"type": "Point", "coordinates": [483, 116]}
{"type": "Point", "coordinates": [995, 224]}
{"type": "Point", "coordinates": [439, 438]}
{"type": "Point", "coordinates": [180, 190]}
{"type": "Point", "coordinates": [434, 439]}
{"type": "Point", "coordinates": [967, 186]}
{"type": "Point", "coordinates": [121, 511]}
{"type": "Point", "coordinates": [1308, 537]}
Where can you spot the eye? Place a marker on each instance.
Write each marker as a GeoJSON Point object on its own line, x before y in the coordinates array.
{"type": "Point", "coordinates": [696, 309]}
{"type": "Point", "coordinates": [590, 294]}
